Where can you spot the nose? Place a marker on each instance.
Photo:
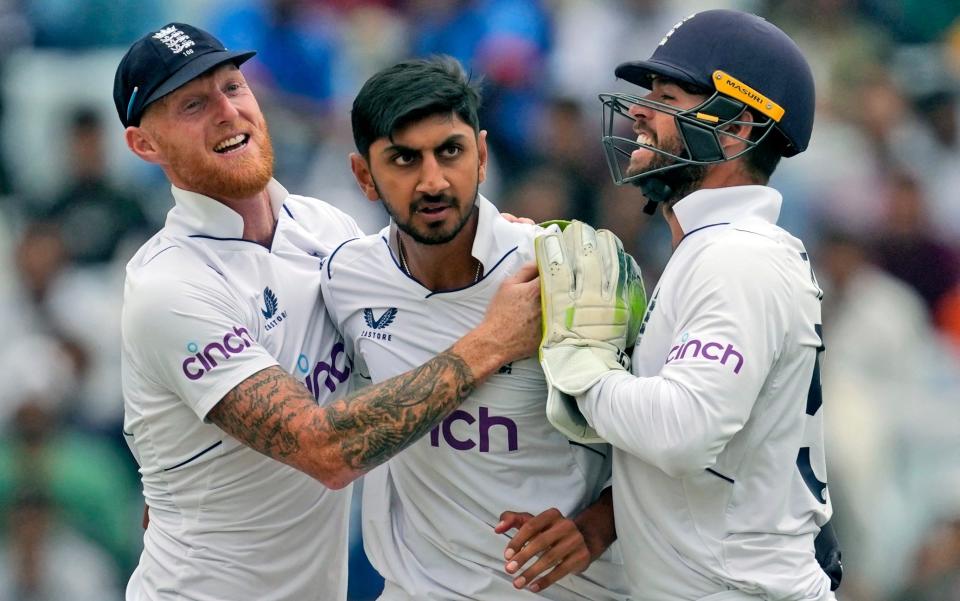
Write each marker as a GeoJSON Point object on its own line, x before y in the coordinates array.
{"type": "Point", "coordinates": [225, 109]}
{"type": "Point", "coordinates": [433, 181]}
{"type": "Point", "coordinates": [640, 113]}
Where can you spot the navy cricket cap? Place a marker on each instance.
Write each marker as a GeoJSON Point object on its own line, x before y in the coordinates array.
{"type": "Point", "coordinates": [757, 64]}
{"type": "Point", "coordinates": [162, 61]}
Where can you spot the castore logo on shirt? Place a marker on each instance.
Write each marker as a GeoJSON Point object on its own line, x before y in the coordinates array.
{"type": "Point", "coordinates": [378, 323]}
{"type": "Point", "coordinates": [271, 308]}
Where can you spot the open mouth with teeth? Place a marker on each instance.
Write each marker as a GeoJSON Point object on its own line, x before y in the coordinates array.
{"type": "Point", "coordinates": [232, 144]}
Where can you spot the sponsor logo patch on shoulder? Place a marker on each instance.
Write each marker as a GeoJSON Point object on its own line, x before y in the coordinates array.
{"type": "Point", "coordinates": [378, 323]}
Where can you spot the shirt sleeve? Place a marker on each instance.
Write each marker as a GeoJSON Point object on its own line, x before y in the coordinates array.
{"type": "Point", "coordinates": [730, 321]}
{"type": "Point", "coordinates": [191, 335]}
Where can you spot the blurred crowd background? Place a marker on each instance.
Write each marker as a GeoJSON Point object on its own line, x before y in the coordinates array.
{"type": "Point", "coordinates": [876, 199]}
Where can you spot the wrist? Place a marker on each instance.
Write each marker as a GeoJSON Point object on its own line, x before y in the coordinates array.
{"type": "Point", "coordinates": [596, 542]}
{"type": "Point", "coordinates": [482, 352]}
{"type": "Point", "coordinates": [596, 524]}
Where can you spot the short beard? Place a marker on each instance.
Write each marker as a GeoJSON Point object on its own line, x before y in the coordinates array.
{"type": "Point", "coordinates": [682, 179]}
{"type": "Point", "coordinates": [247, 180]}
{"type": "Point", "coordinates": [429, 237]}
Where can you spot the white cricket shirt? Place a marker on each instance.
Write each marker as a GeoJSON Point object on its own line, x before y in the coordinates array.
{"type": "Point", "coordinates": [203, 310]}
{"type": "Point", "coordinates": [429, 512]}
{"type": "Point", "coordinates": [718, 461]}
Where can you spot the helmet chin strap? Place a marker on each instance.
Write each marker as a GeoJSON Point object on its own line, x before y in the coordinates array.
{"type": "Point", "coordinates": [656, 189]}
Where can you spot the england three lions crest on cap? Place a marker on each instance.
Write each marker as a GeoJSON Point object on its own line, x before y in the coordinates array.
{"type": "Point", "coordinates": [176, 40]}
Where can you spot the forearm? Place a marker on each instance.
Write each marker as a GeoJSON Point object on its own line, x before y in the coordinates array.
{"type": "Point", "coordinates": [597, 525]}
{"type": "Point", "coordinates": [677, 427]}
{"type": "Point", "coordinates": [274, 414]}
{"type": "Point", "coordinates": [373, 424]}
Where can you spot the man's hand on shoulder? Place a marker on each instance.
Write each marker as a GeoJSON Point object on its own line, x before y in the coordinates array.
{"type": "Point", "coordinates": [510, 329]}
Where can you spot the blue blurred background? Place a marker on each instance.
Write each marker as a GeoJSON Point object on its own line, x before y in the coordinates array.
{"type": "Point", "coordinates": [876, 199]}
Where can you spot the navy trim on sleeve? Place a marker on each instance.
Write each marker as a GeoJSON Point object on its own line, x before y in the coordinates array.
{"type": "Point", "coordinates": [702, 228]}
{"type": "Point", "coordinates": [159, 253]}
{"type": "Point", "coordinates": [229, 240]}
{"type": "Point", "coordinates": [721, 476]}
{"type": "Point", "coordinates": [333, 254]}
{"type": "Point", "coordinates": [183, 463]}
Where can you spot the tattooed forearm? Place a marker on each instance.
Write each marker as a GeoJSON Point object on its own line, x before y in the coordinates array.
{"type": "Point", "coordinates": [252, 414]}
{"type": "Point", "coordinates": [377, 422]}
{"type": "Point", "coordinates": [274, 414]}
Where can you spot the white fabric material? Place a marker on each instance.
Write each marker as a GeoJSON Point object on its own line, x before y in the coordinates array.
{"type": "Point", "coordinates": [204, 310]}
{"type": "Point", "coordinates": [429, 512]}
{"type": "Point", "coordinates": [708, 431]}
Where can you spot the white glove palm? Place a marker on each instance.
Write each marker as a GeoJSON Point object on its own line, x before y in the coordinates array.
{"type": "Point", "coordinates": [593, 301]}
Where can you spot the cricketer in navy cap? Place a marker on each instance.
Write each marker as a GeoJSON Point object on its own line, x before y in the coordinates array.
{"type": "Point", "coordinates": [162, 61]}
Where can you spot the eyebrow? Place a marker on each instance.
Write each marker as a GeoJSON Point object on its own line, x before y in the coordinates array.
{"type": "Point", "coordinates": [402, 148]}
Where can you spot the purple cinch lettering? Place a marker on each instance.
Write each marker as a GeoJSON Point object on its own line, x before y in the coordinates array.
{"type": "Point", "coordinates": [213, 346]}
{"type": "Point", "coordinates": [672, 351]}
{"type": "Point", "coordinates": [240, 332]}
{"type": "Point", "coordinates": [732, 353]}
{"type": "Point", "coordinates": [343, 374]}
{"type": "Point", "coordinates": [231, 348]}
{"type": "Point", "coordinates": [696, 351]}
{"type": "Point", "coordinates": [318, 369]}
{"type": "Point", "coordinates": [487, 421]}
{"type": "Point", "coordinates": [453, 441]}
{"type": "Point", "coordinates": [711, 345]}
{"type": "Point", "coordinates": [193, 375]}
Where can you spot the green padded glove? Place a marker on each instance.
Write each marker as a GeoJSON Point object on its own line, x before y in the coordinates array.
{"type": "Point", "coordinates": [593, 303]}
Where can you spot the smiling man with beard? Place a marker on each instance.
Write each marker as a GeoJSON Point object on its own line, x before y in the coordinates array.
{"type": "Point", "coordinates": [234, 377]}
{"type": "Point", "coordinates": [719, 473]}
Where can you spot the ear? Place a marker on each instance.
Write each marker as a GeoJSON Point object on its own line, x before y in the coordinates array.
{"type": "Point", "coordinates": [361, 171]}
{"type": "Point", "coordinates": [482, 154]}
{"type": "Point", "coordinates": [731, 145]}
{"type": "Point", "coordinates": [143, 145]}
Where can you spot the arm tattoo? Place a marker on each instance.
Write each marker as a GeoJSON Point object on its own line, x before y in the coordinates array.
{"type": "Point", "coordinates": [260, 410]}
{"type": "Point", "coordinates": [274, 414]}
{"type": "Point", "coordinates": [379, 421]}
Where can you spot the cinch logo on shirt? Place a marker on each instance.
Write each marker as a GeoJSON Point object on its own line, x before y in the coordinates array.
{"type": "Point", "coordinates": [487, 421]}
{"type": "Point", "coordinates": [712, 351]}
{"type": "Point", "coordinates": [378, 323]}
{"type": "Point", "coordinates": [201, 362]}
{"type": "Point", "coordinates": [312, 378]}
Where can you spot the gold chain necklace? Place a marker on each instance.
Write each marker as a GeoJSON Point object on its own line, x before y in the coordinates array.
{"type": "Point", "coordinates": [403, 261]}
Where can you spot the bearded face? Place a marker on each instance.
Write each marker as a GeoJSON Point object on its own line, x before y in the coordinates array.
{"type": "Point", "coordinates": [242, 176]}
{"type": "Point", "coordinates": [682, 178]}
{"type": "Point", "coordinates": [210, 137]}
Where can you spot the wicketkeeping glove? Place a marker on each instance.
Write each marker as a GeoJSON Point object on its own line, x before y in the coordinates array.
{"type": "Point", "coordinates": [593, 302]}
